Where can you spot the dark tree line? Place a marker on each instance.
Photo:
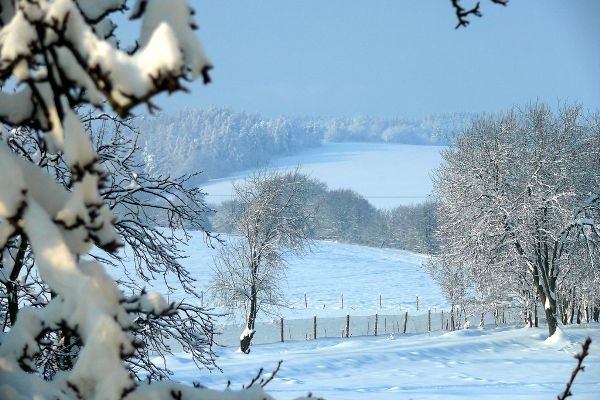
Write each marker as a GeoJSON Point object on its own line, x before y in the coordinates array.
{"type": "Point", "coordinates": [345, 216]}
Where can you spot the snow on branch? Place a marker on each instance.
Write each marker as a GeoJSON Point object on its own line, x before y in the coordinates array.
{"type": "Point", "coordinates": [60, 55]}
{"type": "Point", "coordinates": [56, 56]}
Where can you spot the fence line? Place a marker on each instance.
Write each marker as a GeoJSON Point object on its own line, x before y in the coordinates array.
{"type": "Point", "coordinates": [281, 330]}
{"type": "Point", "coordinates": [344, 302]}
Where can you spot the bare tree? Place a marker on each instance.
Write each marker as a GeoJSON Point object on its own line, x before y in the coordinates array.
{"type": "Point", "coordinates": [517, 203]}
{"type": "Point", "coordinates": [272, 217]}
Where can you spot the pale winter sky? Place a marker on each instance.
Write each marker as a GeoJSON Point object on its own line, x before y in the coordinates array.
{"type": "Point", "coordinates": [395, 58]}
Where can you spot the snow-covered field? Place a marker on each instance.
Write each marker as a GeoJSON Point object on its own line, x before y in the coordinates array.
{"type": "Point", "coordinates": [507, 363]}
{"type": "Point", "coordinates": [387, 174]}
{"type": "Point", "coordinates": [493, 363]}
{"type": "Point", "coordinates": [360, 273]}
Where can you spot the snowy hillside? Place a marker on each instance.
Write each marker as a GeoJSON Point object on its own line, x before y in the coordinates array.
{"type": "Point", "coordinates": [387, 174]}
{"type": "Point", "coordinates": [361, 273]}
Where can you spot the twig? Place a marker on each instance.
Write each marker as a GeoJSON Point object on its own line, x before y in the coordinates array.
{"type": "Point", "coordinates": [463, 13]}
{"type": "Point", "coordinates": [263, 382]}
{"type": "Point", "coordinates": [580, 357]}
{"type": "Point", "coordinates": [253, 381]}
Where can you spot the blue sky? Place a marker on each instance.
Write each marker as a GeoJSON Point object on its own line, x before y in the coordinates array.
{"type": "Point", "coordinates": [394, 58]}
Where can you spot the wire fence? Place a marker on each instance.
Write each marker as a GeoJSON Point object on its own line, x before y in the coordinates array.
{"type": "Point", "coordinates": [283, 330]}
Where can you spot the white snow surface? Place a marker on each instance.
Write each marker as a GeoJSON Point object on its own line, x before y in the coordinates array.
{"type": "Point", "coordinates": [491, 363]}
{"type": "Point", "coordinates": [387, 174]}
{"type": "Point", "coordinates": [361, 273]}
{"type": "Point", "coordinates": [558, 339]}
{"type": "Point", "coordinates": [468, 364]}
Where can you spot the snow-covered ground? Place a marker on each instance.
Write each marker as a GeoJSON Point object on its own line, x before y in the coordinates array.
{"type": "Point", "coordinates": [387, 174]}
{"type": "Point", "coordinates": [495, 363]}
{"type": "Point", "coordinates": [507, 363]}
{"type": "Point", "coordinates": [331, 269]}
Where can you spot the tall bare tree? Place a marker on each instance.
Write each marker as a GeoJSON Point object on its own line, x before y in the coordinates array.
{"type": "Point", "coordinates": [272, 215]}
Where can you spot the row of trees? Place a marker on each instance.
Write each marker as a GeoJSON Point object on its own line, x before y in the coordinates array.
{"type": "Point", "coordinates": [345, 216]}
{"type": "Point", "coordinates": [518, 204]}
{"type": "Point", "coordinates": [434, 129]}
{"type": "Point", "coordinates": [218, 141]}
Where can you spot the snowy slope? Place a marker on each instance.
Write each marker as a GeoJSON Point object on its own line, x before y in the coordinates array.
{"type": "Point", "coordinates": [387, 174]}
{"type": "Point", "coordinates": [469, 364]}
{"type": "Point", "coordinates": [361, 273]}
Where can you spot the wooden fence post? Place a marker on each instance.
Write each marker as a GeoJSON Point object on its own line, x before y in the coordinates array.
{"type": "Point", "coordinates": [315, 327]}
{"type": "Point", "coordinates": [405, 321]}
{"type": "Point", "coordinates": [442, 320]}
{"type": "Point", "coordinates": [342, 301]}
{"type": "Point", "coordinates": [305, 301]}
{"type": "Point", "coordinates": [380, 301]}
{"type": "Point", "coordinates": [417, 303]}
{"type": "Point", "coordinates": [376, 318]}
{"type": "Point", "coordinates": [348, 325]}
{"type": "Point", "coordinates": [281, 328]}
{"type": "Point", "coordinates": [429, 320]}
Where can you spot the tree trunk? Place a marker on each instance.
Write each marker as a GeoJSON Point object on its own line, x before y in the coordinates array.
{"type": "Point", "coordinates": [535, 311]}
{"type": "Point", "coordinates": [12, 288]}
{"type": "Point", "coordinates": [550, 312]}
{"type": "Point", "coordinates": [246, 337]}
{"type": "Point", "coordinates": [547, 295]}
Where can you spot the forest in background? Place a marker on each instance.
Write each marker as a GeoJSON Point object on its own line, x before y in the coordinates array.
{"type": "Point", "coordinates": [219, 141]}
{"type": "Point", "coordinates": [342, 215]}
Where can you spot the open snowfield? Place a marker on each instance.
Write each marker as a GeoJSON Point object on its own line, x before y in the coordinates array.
{"type": "Point", "coordinates": [387, 174]}
{"type": "Point", "coordinates": [507, 363]}
{"type": "Point", "coordinates": [495, 363]}
{"type": "Point", "coordinates": [360, 273]}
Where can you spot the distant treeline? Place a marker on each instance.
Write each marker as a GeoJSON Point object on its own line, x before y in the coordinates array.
{"type": "Point", "coordinates": [218, 141]}
{"type": "Point", "coordinates": [345, 216]}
